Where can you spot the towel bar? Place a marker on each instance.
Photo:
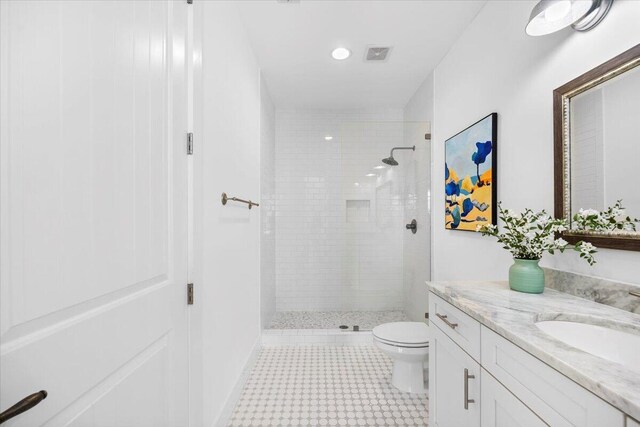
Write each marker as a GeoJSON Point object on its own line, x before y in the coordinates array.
{"type": "Point", "coordinates": [226, 198]}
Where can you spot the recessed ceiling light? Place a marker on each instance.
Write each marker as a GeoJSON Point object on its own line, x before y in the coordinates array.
{"type": "Point", "coordinates": [340, 53]}
{"type": "Point", "coordinates": [380, 167]}
{"type": "Point", "coordinates": [328, 138]}
{"type": "Point", "coordinates": [357, 184]}
{"type": "Point", "coordinates": [371, 174]}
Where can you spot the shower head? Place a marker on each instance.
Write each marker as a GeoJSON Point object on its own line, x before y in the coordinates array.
{"type": "Point", "coordinates": [393, 162]}
{"type": "Point", "coordinates": [390, 161]}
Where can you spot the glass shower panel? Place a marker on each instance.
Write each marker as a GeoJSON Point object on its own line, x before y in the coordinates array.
{"type": "Point", "coordinates": [372, 247]}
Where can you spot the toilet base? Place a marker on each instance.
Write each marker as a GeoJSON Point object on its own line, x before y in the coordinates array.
{"type": "Point", "coordinates": [408, 376]}
{"type": "Point", "coordinates": [408, 372]}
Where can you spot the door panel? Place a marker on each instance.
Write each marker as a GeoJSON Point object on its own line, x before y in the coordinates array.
{"type": "Point", "coordinates": [93, 212]}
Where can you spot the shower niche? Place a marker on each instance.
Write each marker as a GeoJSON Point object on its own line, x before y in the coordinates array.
{"type": "Point", "coordinates": [358, 211]}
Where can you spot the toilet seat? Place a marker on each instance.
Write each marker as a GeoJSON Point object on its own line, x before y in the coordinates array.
{"type": "Point", "coordinates": [403, 334]}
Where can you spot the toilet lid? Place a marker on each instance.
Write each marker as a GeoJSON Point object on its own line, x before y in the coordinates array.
{"type": "Point", "coordinates": [403, 332]}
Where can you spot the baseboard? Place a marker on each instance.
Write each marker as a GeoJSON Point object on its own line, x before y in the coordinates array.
{"type": "Point", "coordinates": [230, 404]}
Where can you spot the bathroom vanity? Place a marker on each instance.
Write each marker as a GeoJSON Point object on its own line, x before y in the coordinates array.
{"type": "Point", "coordinates": [503, 358]}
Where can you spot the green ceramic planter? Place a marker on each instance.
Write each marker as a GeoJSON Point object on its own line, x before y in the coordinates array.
{"type": "Point", "coordinates": [525, 275]}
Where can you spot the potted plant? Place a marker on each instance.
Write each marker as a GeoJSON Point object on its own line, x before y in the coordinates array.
{"type": "Point", "coordinates": [528, 235]}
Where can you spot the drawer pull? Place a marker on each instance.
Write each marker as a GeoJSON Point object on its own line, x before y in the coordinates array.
{"type": "Point", "coordinates": [467, 376]}
{"type": "Point", "coordinates": [443, 317]}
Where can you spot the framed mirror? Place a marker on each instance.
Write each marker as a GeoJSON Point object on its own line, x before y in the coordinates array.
{"type": "Point", "coordinates": [597, 147]}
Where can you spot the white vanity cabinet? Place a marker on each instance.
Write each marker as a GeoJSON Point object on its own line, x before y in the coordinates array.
{"type": "Point", "coordinates": [478, 378]}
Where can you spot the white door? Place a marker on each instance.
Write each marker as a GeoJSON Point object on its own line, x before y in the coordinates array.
{"type": "Point", "coordinates": [500, 408]}
{"type": "Point", "coordinates": [93, 212]}
{"type": "Point", "coordinates": [450, 405]}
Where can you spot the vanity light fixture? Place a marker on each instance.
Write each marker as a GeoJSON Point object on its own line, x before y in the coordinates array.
{"type": "Point", "coordinates": [549, 16]}
{"type": "Point", "coordinates": [340, 53]}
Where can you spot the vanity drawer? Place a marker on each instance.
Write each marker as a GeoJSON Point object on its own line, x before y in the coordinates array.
{"type": "Point", "coordinates": [556, 399]}
{"type": "Point", "coordinates": [460, 327]}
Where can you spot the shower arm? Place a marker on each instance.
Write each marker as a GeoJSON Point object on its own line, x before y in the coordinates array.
{"type": "Point", "coordinates": [402, 148]}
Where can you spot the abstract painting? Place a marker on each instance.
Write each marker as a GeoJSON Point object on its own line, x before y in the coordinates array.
{"type": "Point", "coordinates": [470, 176]}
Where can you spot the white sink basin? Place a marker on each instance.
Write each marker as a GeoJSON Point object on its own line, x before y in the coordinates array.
{"type": "Point", "coordinates": [611, 344]}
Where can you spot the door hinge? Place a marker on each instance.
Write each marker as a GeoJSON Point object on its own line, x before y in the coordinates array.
{"type": "Point", "coordinates": [190, 143]}
{"type": "Point", "coordinates": [189, 293]}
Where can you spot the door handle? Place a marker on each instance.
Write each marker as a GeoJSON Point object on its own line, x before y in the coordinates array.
{"type": "Point", "coordinates": [443, 317]}
{"type": "Point", "coordinates": [413, 226]}
{"type": "Point", "coordinates": [467, 376]}
{"type": "Point", "coordinates": [24, 405]}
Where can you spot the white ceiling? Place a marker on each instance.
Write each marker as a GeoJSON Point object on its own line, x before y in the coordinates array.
{"type": "Point", "coordinates": [293, 44]}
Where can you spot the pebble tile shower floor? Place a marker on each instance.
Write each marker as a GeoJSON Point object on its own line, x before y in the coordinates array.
{"type": "Point", "coordinates": [326, 386]}
{"type": "Point", "coordinates": [367, 320]}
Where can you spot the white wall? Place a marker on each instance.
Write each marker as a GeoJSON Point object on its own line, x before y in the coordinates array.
{"type": "Point", "coordinates": [495, 66]}
{"type": "Point", "coordinates": [226, 314]}
{"type": "Point", "coordinates": [418, 114]}
{"type": "Point", "coordinates": [267, 206]}
{"type": "Point", "coordinates": [324, 260]}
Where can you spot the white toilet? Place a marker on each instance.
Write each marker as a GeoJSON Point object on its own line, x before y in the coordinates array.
{"type": "Point", "coordinates": [407, 344]}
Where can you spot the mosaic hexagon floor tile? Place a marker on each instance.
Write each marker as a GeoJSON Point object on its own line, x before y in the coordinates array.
{"type": "Point", "coordinates": [325, 386]}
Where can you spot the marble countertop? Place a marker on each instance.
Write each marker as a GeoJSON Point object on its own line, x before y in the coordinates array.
{"type": "Point", "coordinates": [513, 315]}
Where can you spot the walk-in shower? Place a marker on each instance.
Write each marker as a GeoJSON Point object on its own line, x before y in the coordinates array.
{"type": "Point", "coordinates": [393, 162]}
{"type": "Point", "coordinates": [340, 219]}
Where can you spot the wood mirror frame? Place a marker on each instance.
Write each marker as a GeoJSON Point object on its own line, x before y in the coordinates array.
{"type": "Point", "coordinates": [561, 136]}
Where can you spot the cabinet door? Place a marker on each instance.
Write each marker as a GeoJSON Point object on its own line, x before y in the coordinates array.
{"type": "Point", "coordinates": [500, 408]}
{"type": "Point", "coordinates": [454, 384]}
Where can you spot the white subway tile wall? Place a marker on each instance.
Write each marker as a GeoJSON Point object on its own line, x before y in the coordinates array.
{"type": "Point", "coordinates": [324, 262]}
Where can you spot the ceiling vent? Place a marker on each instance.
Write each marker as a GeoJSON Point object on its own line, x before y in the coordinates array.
{"type": "Point", "coordinates": [378, 53]}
